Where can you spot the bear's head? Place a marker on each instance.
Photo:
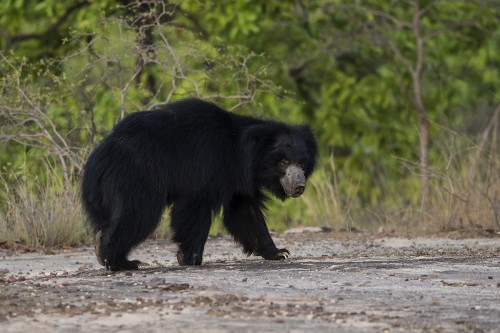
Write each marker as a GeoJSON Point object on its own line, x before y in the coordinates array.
{"type": "Point", "coordinates": [279, 157]}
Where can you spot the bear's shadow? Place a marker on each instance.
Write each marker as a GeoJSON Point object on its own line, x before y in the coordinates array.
{"type": "Point", "coordinates": [216, 266]}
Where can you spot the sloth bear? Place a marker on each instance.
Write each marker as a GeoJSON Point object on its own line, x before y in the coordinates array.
{"type": "Point", "coordinates": [196, 158]}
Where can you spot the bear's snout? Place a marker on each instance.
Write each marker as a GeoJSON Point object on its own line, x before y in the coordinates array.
{"type": "Point", "coordinates": [294, 181]}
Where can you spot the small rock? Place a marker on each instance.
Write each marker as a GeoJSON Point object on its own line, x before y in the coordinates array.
{"type": "Point", "coordinates": [156, 281]}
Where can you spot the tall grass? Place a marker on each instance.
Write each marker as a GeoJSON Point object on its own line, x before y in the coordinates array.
{"type": "Point", "coordinates": [328, 205]}
{"type": "Point", "coordinates": [465, 199]}
{"type": "Point", "coordinates": [41, 214]}
{"type": "Point", "coordinates": [466, 187]}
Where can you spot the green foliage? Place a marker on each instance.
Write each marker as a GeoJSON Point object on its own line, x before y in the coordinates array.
{"type": "Point", "coordinates": [70, 70]}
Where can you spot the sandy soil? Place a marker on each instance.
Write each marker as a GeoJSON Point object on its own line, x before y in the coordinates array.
{"type": "Point", "coordinates": [332, 283]}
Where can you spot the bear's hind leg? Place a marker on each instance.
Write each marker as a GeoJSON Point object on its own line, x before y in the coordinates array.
{"type": "Point", "coordinates": [190, 221]}
{"type": "Point", "coordinates": [113, 255]}
{"type": "Point", "coordinates": [243, 218]}
{"type": "Point", "coordinates": [114, 242]}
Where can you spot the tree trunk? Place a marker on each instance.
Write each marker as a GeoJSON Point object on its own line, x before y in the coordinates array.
{"type": "Point", "coordinates": [420, 108]}
{"type": "Point", "coordinates": [424, 145]}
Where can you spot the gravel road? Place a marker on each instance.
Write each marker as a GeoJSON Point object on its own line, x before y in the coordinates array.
{"type": "Point", "coordinates": [332, 283]}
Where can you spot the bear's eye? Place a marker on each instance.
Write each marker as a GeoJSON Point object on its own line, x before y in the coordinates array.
{"type": "Point", "coordinates": [301, 165]}
{"type": "Point", "coordinates": [284, 163]}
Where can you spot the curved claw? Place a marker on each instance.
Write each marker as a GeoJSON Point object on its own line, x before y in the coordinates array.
{"type": "Point", "coordinates": [275, 254]}
{"type": "Point", "coordinates": [284, 254]}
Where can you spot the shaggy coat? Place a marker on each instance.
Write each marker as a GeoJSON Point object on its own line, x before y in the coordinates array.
{"type": "Point", "coordinates": [196, 158]}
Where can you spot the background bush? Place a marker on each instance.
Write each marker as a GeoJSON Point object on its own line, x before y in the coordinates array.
{"type": "Point", "coordinates": [402, 95]}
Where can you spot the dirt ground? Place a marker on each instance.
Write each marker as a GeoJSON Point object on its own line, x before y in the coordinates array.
{"type": "Point", "coordinates": [332, 283]}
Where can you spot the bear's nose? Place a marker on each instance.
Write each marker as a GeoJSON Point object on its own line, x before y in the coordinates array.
{"type": "Point", "coordinates": [294, 181]}
{"type": "Point", "coordinates": [299, 190]}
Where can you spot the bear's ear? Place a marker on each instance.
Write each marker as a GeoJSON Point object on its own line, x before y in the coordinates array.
{"type": "Point", "coordinates": [312, 147]}
{"type": "Point", "coordinates": [252, 141]}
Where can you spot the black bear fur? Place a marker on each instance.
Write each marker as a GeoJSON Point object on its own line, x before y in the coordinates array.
{"type": "Point", "coordinates": [196, 158]}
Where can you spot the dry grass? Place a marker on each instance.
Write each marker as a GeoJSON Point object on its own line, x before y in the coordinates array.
{"type": "Point", "coordinates": [465, 200]}
{"type": "Point", "coordinates": [329, 207]}
{"type": "Point", "coordinates": [466, 194]}
{"type": "Point", "coordinates": [42, 215]}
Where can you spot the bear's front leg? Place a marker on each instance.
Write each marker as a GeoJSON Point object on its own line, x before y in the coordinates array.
{"type": "Point", "coordinates": [190, 221]}
{"type": "Point", "coordinates": [243, 218]}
